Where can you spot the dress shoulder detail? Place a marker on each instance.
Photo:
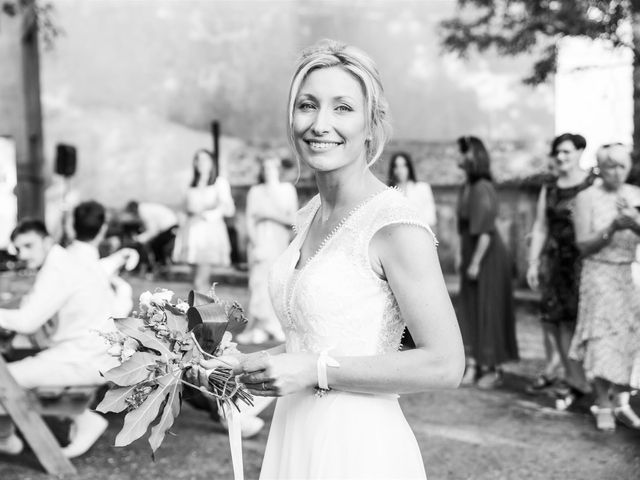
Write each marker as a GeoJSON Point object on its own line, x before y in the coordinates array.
{"type": "Point", "coordinates": [393, 208]}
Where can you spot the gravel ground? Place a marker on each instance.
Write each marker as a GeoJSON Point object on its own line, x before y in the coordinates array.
{"type": "Point", "coordinates": [464, 434]}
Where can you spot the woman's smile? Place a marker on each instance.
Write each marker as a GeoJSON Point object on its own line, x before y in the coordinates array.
{"type": "Point", "coordinates": [321, 145]}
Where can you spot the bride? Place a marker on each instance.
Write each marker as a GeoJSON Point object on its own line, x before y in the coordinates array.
{"type": "Point", "coordinates": [362, 266]}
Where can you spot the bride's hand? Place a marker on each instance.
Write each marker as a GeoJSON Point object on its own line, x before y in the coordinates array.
{"type": "Point", "coordinates": [279, 375]}
{"type": "Point", "coordinates": [233, 362]}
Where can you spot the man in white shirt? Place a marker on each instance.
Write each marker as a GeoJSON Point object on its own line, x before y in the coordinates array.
{"type": "Point", "coordinates": [76, 294]}
{"type": "Point", "coordinates": [89, 231]}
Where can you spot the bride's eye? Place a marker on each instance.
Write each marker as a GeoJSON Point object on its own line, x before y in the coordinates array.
{"type": "Point", "coordinates": [344, 108]}
{"type": "Point", "coordinates": [305, 106]}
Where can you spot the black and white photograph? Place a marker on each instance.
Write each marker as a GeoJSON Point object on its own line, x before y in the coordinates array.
{"type": "Point", "coordinates": [320, 239]}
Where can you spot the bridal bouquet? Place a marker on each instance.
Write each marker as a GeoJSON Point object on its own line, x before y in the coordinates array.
{"type": "Point", "coordinates": [157, 347]}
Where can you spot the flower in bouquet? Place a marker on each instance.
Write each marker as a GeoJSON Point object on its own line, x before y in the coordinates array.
{"type": "Point", "coordinates": [156, 347]}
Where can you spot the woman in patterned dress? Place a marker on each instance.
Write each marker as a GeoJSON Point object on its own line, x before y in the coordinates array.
{"type": "Point", "coordinates": [554, 264]}
{"type": "Point", "coordinates": [607, 337]}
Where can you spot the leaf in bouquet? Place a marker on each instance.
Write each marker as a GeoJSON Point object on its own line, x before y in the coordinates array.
{"type": "Point", "coordinates": [208, 323]}
{"type": "Point", "coordinates": [147, 338]}
{"type": "Point", "coordinates": [169, 414]}
{"type": "Point", "coordinates": [115, 400]}
{"type": "Point", "coordinates": [129, 322]}
{"type": "Point", "coordinates": [236, 318]}
{"type": "Point", "coordinates": [137, 421]}
{"type": "Point", "coordinates": [197, 299]}
{"type": "Point", "coordinates": [133, 371]}
{"type": "Point", "coordinates": [190, 355]}
{"type": "Point", "coordinates": [176, 321]}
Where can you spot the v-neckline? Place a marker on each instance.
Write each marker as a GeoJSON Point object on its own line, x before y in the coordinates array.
{"type": "Point", "coordinates": [299, 266]}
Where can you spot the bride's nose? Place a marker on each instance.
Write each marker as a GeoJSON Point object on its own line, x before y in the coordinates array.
{"type": "Point", "coordinates": [320, 124]}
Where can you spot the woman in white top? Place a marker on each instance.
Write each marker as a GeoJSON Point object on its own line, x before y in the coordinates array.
{"type": "Point", "coordinates": [203, 240]}
{"type": "Point", "coordinates": [362, 266]}
{"type": "Point", "coordinates": [271, 211]}
{"type": "Point", "coordinates": [402, 175]}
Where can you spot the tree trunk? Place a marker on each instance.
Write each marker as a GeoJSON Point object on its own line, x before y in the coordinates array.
{"type": "Point", "coordinates": [635, 27]}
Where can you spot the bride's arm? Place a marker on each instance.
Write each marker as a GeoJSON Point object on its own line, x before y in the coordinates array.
{"type": "Point", "coordinates": [408, 259]}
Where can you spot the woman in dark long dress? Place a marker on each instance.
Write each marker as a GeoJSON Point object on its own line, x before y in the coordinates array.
{"type": "Point", "coordinates": [554, 261]}
{"type": "Point", "coordinates": [487, 318]}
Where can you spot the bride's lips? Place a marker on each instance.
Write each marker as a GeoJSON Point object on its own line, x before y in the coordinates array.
{"type": "Point", "coordinates": [321, 145]}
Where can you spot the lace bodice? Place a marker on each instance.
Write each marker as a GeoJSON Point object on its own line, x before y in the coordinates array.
{"type": "Point", "coordinates": [335, 301]}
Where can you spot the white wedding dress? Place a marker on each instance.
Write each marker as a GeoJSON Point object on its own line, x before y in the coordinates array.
{"type": "Point", "coordinates": [335, 302]}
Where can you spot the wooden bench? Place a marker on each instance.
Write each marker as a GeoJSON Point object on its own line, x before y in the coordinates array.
{"type": "Point", "coordinates": [27, 407]}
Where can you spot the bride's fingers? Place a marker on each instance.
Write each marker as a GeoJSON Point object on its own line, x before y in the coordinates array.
{"type": "Point", "coordinates": [265, 393]}
{"type": "Point", "coordinates": [256, 362]}
{"type": "Point", "coordinates": [255, 378]}
{"type": "Point", "coordinates": [224, 361]}
{"type": "Point", "coordinates": [264, 390]}
{"type": "Point", "coordinates": [212, 363]}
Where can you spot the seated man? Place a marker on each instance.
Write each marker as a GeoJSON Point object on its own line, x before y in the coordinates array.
{"type": "Point", "coordinates": [89, 230]}
{"type": "Point", "coordinates": [159, 224]}
{"type": "Point", "coordinates": [77, 296]}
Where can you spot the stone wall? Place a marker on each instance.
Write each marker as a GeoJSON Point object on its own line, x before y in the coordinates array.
{"type": "Point", "coordinates": [516, 216]}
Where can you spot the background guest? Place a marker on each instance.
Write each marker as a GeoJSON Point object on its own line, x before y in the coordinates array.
{"type": "Point", "coordinates": [271, 209]}
{"type": "Point", "coordinates": [554, 260]}
{"type": "Point", "coordinates": [487, 318]}
{"type": "Point", "coordinates": [203, 240]}
{"type": "Point", "coordinates": [402, 175]}
{"type": "Point", "coordinates": [607, 336]}
{"type": "Point", "coordinates": [89, 230]}
{"type": "Point", "coordinates": [158, 223]}
{"type": "Point", "coordinates": [77, 295]}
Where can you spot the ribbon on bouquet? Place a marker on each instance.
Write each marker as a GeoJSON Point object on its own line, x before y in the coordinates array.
{"type": "Point", "coordinates": [235, 440]}
{"type": "Point", "coordinates": [208, 321]}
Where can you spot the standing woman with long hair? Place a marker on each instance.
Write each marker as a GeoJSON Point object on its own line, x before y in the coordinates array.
{"type": "Point", "coordinates": [487, 317]}
{"type": "Point", "coordinates": [402, 176]}
{"type": "Point", "coordinates": [271, 211]}
{"type": "Point", "coordinates": [203, 241]}
{"type": "Point", "coordinates": [554, 260]}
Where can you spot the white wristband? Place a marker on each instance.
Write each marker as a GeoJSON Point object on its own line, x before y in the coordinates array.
{"type": "Point", "coordinates": [324, 361]}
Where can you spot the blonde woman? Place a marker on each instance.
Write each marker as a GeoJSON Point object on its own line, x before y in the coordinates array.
{"type": "Point", "coordinates": [354, 276]}
{"type": "Point", "coordinates": [607, 336]}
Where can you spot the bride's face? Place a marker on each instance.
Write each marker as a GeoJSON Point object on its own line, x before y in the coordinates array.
{"type": "Point", "coordinates": [329, 126]}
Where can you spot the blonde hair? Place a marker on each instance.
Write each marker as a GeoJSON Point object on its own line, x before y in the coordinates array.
{"type": "Point", "coordinates": [330, 53]}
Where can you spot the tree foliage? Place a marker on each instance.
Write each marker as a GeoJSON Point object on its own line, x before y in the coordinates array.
{"type": "Point", "coordinates": [43, 14]}
{"type": "Point", "coordinates": [513, 27]}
